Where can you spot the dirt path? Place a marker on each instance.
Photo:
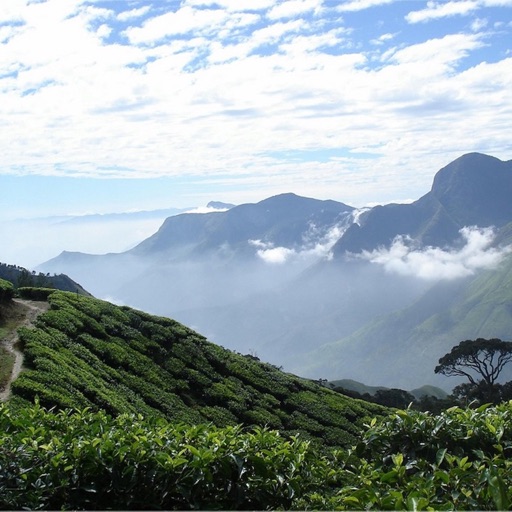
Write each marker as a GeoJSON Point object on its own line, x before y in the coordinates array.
{"type": "Point", "coordinates": [32, 310]}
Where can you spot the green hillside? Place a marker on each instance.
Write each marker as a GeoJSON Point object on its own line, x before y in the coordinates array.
{"type": "Point", "coordinates": [85, 352]}
{"type": "Point", "coordinates": [119, 409]}
{"type": "Point", "coordinates": [403, 348]}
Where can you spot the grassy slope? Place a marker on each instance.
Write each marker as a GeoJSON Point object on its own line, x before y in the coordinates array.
{"type": "Point", "coordinates": [89, 353]}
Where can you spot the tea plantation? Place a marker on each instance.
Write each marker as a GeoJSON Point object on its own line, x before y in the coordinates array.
{"type": "Point", "coordinates": [119, 409]}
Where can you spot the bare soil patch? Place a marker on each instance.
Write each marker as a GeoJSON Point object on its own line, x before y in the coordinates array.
{"type": "Point", "coordinates": [16, 314]}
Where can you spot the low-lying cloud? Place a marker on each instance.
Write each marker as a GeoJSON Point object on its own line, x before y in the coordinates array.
{"type": "Point", "coordinates": [315, 246]}
{"type": "Point", "coordinates": [434, 263]}
{"type": "Point", "coordinates": [273, 255]}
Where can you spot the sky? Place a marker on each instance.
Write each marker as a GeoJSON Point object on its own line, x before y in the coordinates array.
{"type": "Point", "coordinates": [111, 106]}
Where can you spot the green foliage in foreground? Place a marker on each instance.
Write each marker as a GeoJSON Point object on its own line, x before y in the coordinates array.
{"type": "Point", "coordinates": [459, 460]}
{"type": "Point", "coordinates": [86, 352]}
{"type": "Point", "coordinates": [84, 460]}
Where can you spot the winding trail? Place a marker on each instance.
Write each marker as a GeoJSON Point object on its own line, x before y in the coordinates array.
{"type": "Point", "coordinates": [32, 310]}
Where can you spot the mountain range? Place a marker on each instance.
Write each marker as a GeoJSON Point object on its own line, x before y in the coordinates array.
{"type": "Point", "coordinates": [326, 290]}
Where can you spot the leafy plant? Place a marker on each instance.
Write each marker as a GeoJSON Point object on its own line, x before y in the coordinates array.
{"type": "Point", "coordinates": [6, 290]}
{"type": "Point", "coordinates": [87, 460]}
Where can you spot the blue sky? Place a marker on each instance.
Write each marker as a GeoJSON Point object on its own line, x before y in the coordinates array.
{"type": "Point", "coordinates": [111, 106]}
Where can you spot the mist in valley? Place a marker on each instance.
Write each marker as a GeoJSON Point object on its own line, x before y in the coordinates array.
{"type": "Point", "coordinates": [288, 305]}
{"type": "Point", "coordinates": [265, 280]}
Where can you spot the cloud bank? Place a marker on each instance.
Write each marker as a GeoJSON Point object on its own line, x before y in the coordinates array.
{"type": "Point", "coordinates": [434, 263]}
{"type": "Point", "coordinates": [254, 95]}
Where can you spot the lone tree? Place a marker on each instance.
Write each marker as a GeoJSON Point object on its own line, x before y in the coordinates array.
{"type": "Point", "coordinates": [477, 358]}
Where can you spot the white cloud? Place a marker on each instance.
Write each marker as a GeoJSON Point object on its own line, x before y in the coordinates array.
{"type": "Point", "coordinates": [276, 255]}
{"type": "Point", "coordinates": [360, 5]}
{"type": "Point", "coordinates": [206, 209]}
{"type": "Point", "coordinates": [496, 3]}
{"type": "Point", "coordinates": [436, 10]}
{"type": "Point", "coordinates": [316, 245]}
{"type": "Point", "coordinates": [233, 5]}
{"type": "Point", "coordinates": [183, 21]}
{"type": "Point", "coordinates": [478, 24]}
{"type": "Point", "coordinates": [448, 49]}
{"type": "Point", "coordinates": [434, 263]}
{"type": "Point", "coordinates": [292, 8]}
{"type": "Point", "coordinates": [216, 91]}
{"type": "Point", "coordinates": [133, 13]}
{"type": "Point", "coordinates": [384, 38]}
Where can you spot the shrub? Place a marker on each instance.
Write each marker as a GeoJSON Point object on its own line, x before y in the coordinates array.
{"type": "Point", "coordinates": [6, 290]}
{"type": "Point", "coordinates": [458, 460]}
{"type": "Point", "coordinates": [33, 293]}
{"type": "Point", "coordinates": [85, 460]}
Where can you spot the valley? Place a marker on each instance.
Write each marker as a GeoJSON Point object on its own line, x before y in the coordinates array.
{"type": "Point", "coordinates": [325, 290]}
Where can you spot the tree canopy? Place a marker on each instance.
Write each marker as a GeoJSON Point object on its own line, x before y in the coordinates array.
{"type": "Point", "coordinates": [480, 361]}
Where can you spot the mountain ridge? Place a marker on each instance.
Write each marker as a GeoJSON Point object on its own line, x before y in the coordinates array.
{"type": "Point", "coordinates": [437, 217]}
{"type": "Point", "coordinates": [285, 277]}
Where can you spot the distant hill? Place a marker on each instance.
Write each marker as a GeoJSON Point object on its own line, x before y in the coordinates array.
{"type": "Point", "coordinates": [20, 276]}
{"type": "Point", "coordinates": [120, 216]}
{"type": "Point", "coordinates": [359, 387]}
{"type": "Point", "coordinates": [282, 220]}
{"type": "Point", "coordinates": [219, 205]}
{"type": "Point", "coordinates": [353, 385]}
{"type": "Point", "coordinates": [89, 353]}
{"type": "Point", "coordinates": [417, 336]}
{"type": "Point", "coordinates": [215, 258]}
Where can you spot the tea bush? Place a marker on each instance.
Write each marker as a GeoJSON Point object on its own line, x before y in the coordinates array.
{"type": "Point", "coordinates": [85, 352]}
{"type": "Point", "coordinates": [81, 459]}
{"type": "Point", "coordinates": [6, 290]}
{"type": "Point", "coordinates": [34, 293]}
{"type": "Point", "coordinates": [90, 460]}
{"type": "Point", "coordinates": [458, 460]}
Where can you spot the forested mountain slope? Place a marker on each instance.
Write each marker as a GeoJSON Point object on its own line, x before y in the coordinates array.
{"type": "Point", "coordinates": [288, 277]}
{"type": "Point", "coordinates": [417, 336]}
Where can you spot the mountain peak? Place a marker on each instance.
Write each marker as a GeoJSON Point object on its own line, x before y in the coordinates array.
{"type": "Point", "coordinates": [219, 205]}
{"type": "Point", "coordinates": [471, 166]}
{"type": "Point", "coordinates": [476, 189]}
{"type": "Point", "coordinates": [473, 190]}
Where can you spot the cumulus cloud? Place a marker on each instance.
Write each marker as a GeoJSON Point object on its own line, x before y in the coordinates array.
{"type": "Point", "coordinates": [270, 254]}
{"type": "Point", "coordinates": [133, 13]}
{"type": "Point", "coordinates": [360, 5]}
{"type": "Point", "coordinates": [292, 8]}
{"type": "Point", "coordinates": [276, 255]}
{"type": "Point", "coordinates": [434, 263]}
